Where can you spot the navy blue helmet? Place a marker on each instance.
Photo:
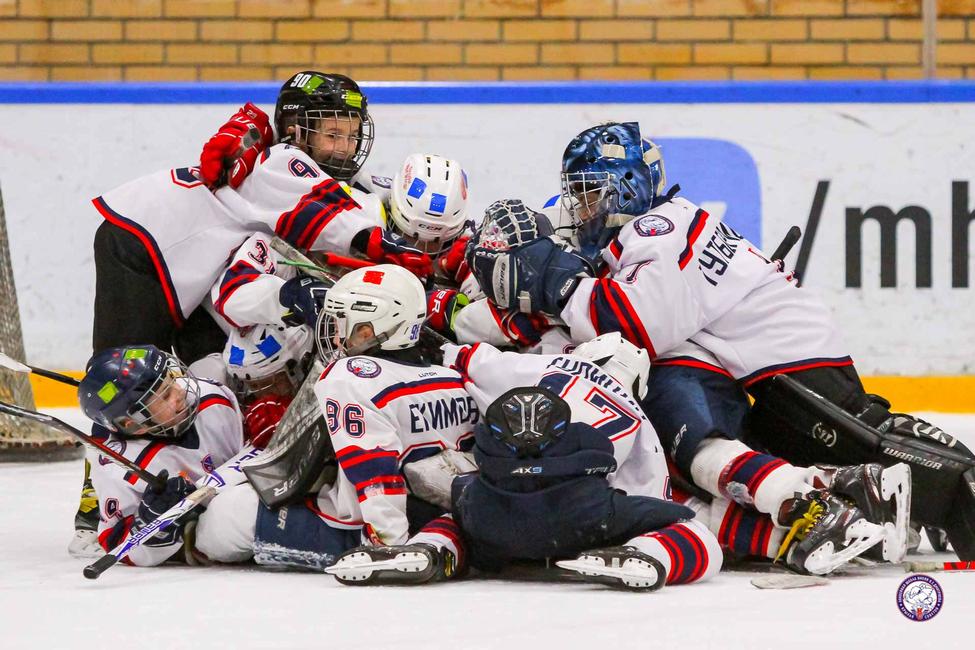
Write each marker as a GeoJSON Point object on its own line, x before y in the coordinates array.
{"type": "Point", "coordinates": [139, 391]}
{"type": "Point", "coordinates": [610, 174]}
{"type": "Point", "coordinates": [527, 420]}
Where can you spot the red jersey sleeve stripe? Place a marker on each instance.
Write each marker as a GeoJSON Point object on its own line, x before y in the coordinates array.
{"type": "Point", "coordinates": [414, 388]}
{"type": "Point", "coordinates": [693, 232]}
{"type": "Point", "coordinates": [214, 400]}
{"type": "Point", "coordinates": [143, 459]}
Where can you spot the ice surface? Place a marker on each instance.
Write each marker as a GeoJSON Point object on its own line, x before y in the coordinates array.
{"type": "Point", "coordinates": [46, 603]}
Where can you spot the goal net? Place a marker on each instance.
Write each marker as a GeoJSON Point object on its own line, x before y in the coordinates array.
{"type": "Point", "coordinates": [20, 439]}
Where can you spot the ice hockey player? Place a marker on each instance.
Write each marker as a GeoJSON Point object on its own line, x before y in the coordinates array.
{"type": "Point", "coordinates": [570, 466]}
{"type": "Point", "coordinates": [725, 296]}
{"type": "Point", "coordinates": [146, 406]}
{"type": "Point", "coordinates": [384, 407]}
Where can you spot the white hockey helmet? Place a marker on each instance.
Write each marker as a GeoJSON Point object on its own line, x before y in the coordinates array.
{"type": "Point", "coordinates": [428, 205]}
{"type": "Point", "coordinates": [387, 297]}
{"type": "Point", "coordinates": [623, 361]}
{"type": "Point", "coordinates": [267, 358]}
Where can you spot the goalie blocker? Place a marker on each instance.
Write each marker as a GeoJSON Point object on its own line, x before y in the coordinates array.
{"type": "Point", "coordinates": [942, 470]}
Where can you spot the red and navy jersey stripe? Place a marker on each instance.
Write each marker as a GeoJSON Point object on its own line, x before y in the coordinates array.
{"type": "Point", "coordinates": [235, 277]}
{"type": "Point", "coordinates": [152, 248]}
{"type": "Point", "coordinates": [302, 225]}
{"type": "Point", "coordinates": [447, 527]}
{"type": "Point", "coordinates": [144, 458]}
{"type": "Point", "coordinates": [369, 469]}
{"type": "Point", "coordinates": [688, 554]}
{"type": "Point", "coordinates": [692, 363]}
{"type": "Point", "coordinates": [616, 248]}
{"type": "Point", "coordinates": [693, 232]}
{"type": "Point", "coordinates": [795, 366]}
{"type": "Point", "coordinates": [402, 389]}
{"type": "Point", "coordinates": [214, 400]}
{"type": "Point", "coordinates": [112, 537]}
{"type": "Point", "coordinates": [749, 469]}
{"type": "Point", "coordinates": [745, 532]}
{"type": "Point", "coordinates": [524, 329]}
{"type": "Point", "coordinates": [611, 311]}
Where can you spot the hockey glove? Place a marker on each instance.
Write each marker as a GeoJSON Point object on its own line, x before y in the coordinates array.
{"type": "Point", "coordinates": [442, 308]}
{"type": "Point", "coordinates": [537, 277]}
{"type": "Point", "coordinates": [261, 419]}
{"type": "Point", "coordinates": [383, 247]}
{"type": "Point", "coordinates": [303, 298]}
{"type": "Point", "coordinates": [452, 265]}
{"type": "Point", "coordinates": [156, 502]}
{"type": "Point", "coordinates": [229, 156]}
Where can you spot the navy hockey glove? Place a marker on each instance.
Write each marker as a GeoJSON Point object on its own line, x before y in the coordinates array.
{"type": "Point", "coordinates": [303, 297]}
{"type": "Point", "coordinates": [537, 277]}
{"type": "Point", "coordinates": [156, 502]}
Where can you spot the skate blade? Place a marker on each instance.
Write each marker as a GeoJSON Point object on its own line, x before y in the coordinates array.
{"type": "Point", "coordinates": [895, 482]}
{"type": "Point", "coordinates": [861, 537]}
{"type": "Point", "coordinates": [360, 566]}
{"type": "Point", "coordinates": [631, 573]}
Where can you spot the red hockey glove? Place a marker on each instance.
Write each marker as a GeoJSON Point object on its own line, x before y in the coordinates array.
{"type": "Point", "coordinates": [229, 156]}
{"type": "Point", "coordinates": [385, 248]}
{"type": "Point", "coordinates": [442, 308]}
{"type": "Point", "coordinates": [453, 265]}
{"type": "Point", "coordinates": [261, 418]}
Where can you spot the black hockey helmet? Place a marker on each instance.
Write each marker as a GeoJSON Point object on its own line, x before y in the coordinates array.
{"type": "Point", "coordinates": [332, 106]}
{"type": "Point", "coordinates": [139, 390]}
{"type": "Point", "coordinates": [528, 419]}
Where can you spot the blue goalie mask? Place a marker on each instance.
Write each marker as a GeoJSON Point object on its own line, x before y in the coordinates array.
{"type": "Point", "coordinates": [610, 174]}
{"type": "Point", "coordinates": [139, 391]}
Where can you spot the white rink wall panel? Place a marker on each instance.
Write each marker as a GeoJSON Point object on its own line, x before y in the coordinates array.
{"type": "Point", "coordinates": [907, 307]}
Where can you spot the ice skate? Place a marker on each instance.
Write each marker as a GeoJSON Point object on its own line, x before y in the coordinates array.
{"type": "Point", "coordinates": [884, 496]}
{"type": "Point", "coordinates": [84, 543]}
{"type": "Point", "coordinates": [410, 564]}
{"type": "Point", "coordinates": [619, 566]}
{"type": "Point", "coordinates": [825, 533]}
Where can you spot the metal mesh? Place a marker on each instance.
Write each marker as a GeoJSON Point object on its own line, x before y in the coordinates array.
{"type": "Point", "coordinates": [21, 439]}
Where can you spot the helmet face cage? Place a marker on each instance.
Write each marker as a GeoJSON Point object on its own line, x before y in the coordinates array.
{"type": "Point", "coordinates": [589, 196]}
{"type": "Point", "coordinates": [167, 408]}
{"type": "Point", "coordinates": [527, 420]}
{"type": "Point", "coordinates": [284, 383]}
{"type": "Point", "coordinates": [341, 163]}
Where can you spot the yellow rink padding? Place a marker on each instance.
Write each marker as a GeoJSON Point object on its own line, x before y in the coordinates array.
{"type": "Point", "coordinates": [950, 394]}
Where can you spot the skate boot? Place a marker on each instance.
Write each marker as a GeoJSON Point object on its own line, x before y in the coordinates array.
{"type": "Point", "coordinates": [825, 532]}
{"type": "Point", "coordinates": [623, 567]}
{"type": "Point", "coordinates": [411, 564]}
{"type": "Point", "coordinates": [84, 544]}
{"type": "Point", "coordinates": [884, 496]}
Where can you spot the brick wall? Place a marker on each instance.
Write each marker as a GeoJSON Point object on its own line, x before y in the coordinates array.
{"type": "Point", "coordinates": [479, 39]}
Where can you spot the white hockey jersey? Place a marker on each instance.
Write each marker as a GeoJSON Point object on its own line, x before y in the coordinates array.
{"type": "Point", "coordinates": [247, 292]}
{"type": "Point", "coordinates": [215, 437]}
{"type": "Point", "coordinates": [382, 414]}
{"type": "Point", "coordinates": [678, 273]}
{"type": "Point", "coordinates": [191, 232]}
{"type": "Point", "coordinates": [593, 396]}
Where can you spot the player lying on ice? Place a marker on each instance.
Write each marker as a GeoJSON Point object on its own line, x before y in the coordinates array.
{"type": "Point", "coordinates": [384, 408]}
{"type": "Point", "coordinates": [670, 273]}
{"type": "Point", "coordinates": [146, 406]}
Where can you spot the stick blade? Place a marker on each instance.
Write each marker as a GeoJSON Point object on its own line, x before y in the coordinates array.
{"type": "Point", "coordinates": [788, 581]}
{"type": "Point", "coordinates": [13, 364]}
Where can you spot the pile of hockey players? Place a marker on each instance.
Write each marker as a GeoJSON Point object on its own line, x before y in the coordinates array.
{"type": "Point", "coordinates": [618, 382]}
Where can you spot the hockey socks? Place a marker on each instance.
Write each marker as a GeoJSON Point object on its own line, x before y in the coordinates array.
{"type": "Point", "coordinates": [730, 470]}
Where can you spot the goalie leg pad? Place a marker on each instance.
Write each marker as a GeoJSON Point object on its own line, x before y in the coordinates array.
{"type": "Point", "coordinates": [294, 536]}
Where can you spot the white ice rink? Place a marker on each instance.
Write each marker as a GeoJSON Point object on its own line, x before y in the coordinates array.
{"type": "Point", "coordinates": [46, 603]}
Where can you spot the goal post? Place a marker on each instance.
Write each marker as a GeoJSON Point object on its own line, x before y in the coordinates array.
{"type": "Point", "coordinates": [21, 440]}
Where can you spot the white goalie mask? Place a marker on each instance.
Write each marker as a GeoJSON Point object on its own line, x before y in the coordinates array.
{"type": "Point", "coordinates": [387, 297]}
{"type": "Point", "coordinates": [267, 358]}
{"type": "Point", "coordinates": [428, 205]}
{"type": "Point", "coordinates": [623, 361]}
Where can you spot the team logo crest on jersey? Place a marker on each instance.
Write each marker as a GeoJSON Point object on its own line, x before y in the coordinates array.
{"type": "Point", "coordinates": [207, 463]}
{"type": "Point", "coordinates": [116, 446]}
{"type": "Point", "coordinates": [365, 368]}
{"type": "Point", "coordinates": [652, 225]}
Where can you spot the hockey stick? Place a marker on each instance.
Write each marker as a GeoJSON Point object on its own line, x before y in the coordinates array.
{"type": "Point", "coordinates": [64, 427]}
{"type": "Point", "coordinates": [786, 244]}
{"type": "Point", "coordinates": [919, 567]}
{"type": "Point", "coordinates": [16, 366]}
{"type": "Point", "coordinates": [227, 475]}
